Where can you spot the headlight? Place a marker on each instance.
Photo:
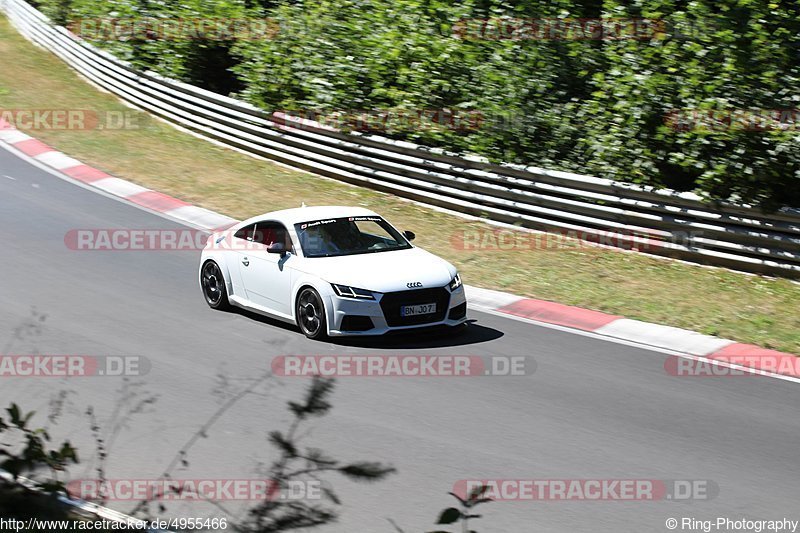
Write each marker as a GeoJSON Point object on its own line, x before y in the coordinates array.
{"type": "Point", "coordinates": [352, 292]}
{"type": "Point", "coordinates": [456, 283]}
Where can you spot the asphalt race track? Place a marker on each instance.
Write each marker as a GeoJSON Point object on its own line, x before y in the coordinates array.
{"type": "Point", "coordinates": [593, 409]}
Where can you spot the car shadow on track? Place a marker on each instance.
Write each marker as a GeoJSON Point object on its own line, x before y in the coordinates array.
{"type": "Point", "coordinates": [470, 333]}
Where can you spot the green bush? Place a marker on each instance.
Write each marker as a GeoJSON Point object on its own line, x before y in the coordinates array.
{"type": "Point", "coordinates": [593, 106]}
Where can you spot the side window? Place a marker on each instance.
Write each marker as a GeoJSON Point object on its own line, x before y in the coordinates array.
{"type": "Point", "coordinates": [265, 233]}
{"type": "Point", "coordinates": [268, 233]}
{"type": "Point", "coordinates": [246, 232]}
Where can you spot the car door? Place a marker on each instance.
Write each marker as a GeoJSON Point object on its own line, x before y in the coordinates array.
{"type": "Point", "coordinates": [242, 241]}
{"type": "Point", "coordinates": [267, 277]}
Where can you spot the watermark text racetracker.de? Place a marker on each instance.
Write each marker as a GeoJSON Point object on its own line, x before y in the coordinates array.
{"type": "Point", "coordinates": [570, 240]}
{"type": "Point", "coordinates": [579, 29]}
{"type": "Point", "coordinates": [70, 366]}
{"type": "Point", "coordinates": [402, 365]}
{"type": "Point", "coordinates": [724, 523]}
{"type": "Point", "coordinates": [215, 490]}
{"type": "Point", "coordinates": [554, 490]}
{"type": "Point", "coordinates": [69, 120]}
{"type": "Point", "coordinates": [156, 239]}
{"type": "Point", "coordinates": [734, 365]}
{"type": "Point", "coordinates": [728, 120]}
{"type": "Point", "coordinates": [164, 240]}
{"type": "Point", "coordinates": [175, 29]}
{"type": "Point", "coordinates": [559, 29]}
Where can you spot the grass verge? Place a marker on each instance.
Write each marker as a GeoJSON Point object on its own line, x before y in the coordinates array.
{"type": "Point", "coordinates": [746, 308]}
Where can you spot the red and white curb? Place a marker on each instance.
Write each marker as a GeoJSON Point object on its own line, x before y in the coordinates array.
{"type": "Point", "coordinates": [680, 341]}
{"type": "Point", "coordinates": [696, 345]}
{"type": "Point", "coordinates": [136, 194]}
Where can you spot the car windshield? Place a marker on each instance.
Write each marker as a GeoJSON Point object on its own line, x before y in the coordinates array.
{"type": "Point", "coordinates": [348, 236]}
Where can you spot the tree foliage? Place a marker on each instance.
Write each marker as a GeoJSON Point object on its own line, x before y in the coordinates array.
{"type": "Point", "coordinates": [595, 106]}
{"type": "Point", "coordinates": [24, 451]}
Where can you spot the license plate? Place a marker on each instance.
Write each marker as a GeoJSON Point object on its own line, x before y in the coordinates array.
{"type": "Point", "coordinates": [421, 309]}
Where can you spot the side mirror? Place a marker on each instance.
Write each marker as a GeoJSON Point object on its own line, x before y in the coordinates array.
{"type": "Point", "coordinates": [409, 235]}
{"type": "Point", "coordinates": [277, 248]}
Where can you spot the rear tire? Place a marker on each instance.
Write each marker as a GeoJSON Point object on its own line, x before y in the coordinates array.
{"type": "Point", "coordinates": [214, 289]}
{"type": "Point", "coordinates": [310, 313]}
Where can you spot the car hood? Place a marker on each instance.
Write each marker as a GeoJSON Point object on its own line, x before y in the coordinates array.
{"type": "Point", "coordinates": [384, 271]}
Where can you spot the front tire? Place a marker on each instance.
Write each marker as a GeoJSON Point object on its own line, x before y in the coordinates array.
{"type": "Point", "coordinates": [310, 313]}
{"type": "Point", "coordinates": [214, 290]}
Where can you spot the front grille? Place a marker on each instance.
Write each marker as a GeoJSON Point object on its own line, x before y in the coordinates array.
{"type": "Point", "coordinates": [356, 323]}
{"type": "Point", "coordinates": [458, 312]}
{"type": "Point", "coordinates": [393, 301]}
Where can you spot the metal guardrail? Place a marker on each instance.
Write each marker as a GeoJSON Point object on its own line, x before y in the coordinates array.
{"type": "Point", "coordinates": [661, 222]}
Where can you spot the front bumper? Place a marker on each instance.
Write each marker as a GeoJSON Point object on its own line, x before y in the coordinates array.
{"type": "Point", "coordinates": [350, 317]}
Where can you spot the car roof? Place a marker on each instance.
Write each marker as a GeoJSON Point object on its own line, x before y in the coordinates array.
{"type": "Point", "coordinates": [297, 215]}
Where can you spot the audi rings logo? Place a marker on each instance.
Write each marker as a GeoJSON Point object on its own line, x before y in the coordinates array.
{"type": "Point", "coordinates": [414, 285]}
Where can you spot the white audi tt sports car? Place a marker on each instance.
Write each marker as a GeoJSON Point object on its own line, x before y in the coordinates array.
{"type": "Point", "coordinates": [332, 271]}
